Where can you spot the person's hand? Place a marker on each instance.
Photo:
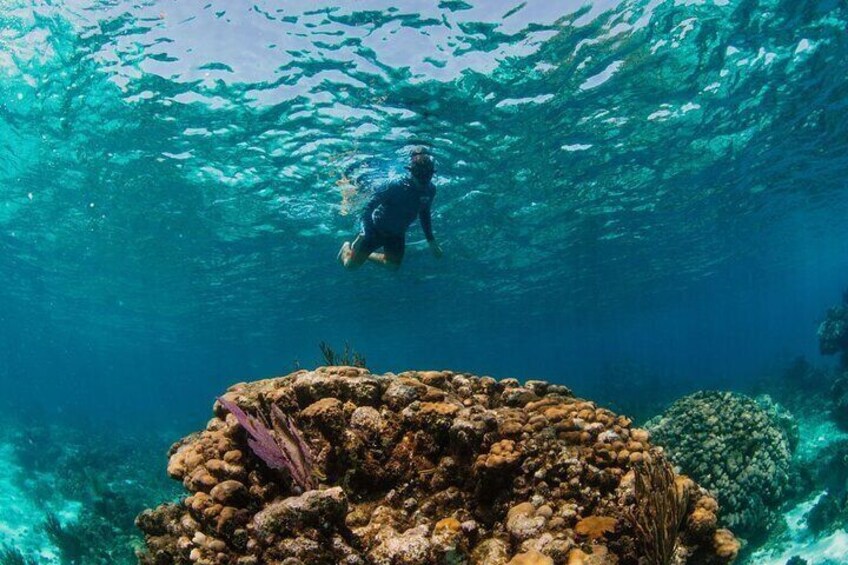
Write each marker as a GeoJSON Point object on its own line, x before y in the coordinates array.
{"type": "Point", "coordinates": [436, 249]}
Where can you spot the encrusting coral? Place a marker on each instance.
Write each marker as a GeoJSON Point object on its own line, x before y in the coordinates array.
{"type": "Point", "coordinates": [737, 447]}
{"type": "Point", "coordinates": [420, 468]}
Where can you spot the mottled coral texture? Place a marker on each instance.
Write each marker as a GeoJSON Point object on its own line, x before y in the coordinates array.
{"type": "Point", "coordinates": [735, 446]}
{"type": "Point", "coordinates": [419, 468]}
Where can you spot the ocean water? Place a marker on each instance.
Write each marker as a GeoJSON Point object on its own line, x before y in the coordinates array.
{"type": "Point", "coordinates": [639, 199]}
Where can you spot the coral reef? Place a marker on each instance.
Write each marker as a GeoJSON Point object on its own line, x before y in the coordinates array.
{"type": "Point", "coordinates": [833, 339]}
{"type": "Point", "coordinates": [736, 447]}
{"type": "Point", "coordinates": [839, 399]}
{"type": "Point", "coordinates": [75, 491]}
{"type": "Point", "coordinates": [833, 331]}
{"type": "Point", "coordinates": [421, 468]}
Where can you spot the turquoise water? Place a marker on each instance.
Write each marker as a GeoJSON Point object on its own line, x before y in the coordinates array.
{"type": "Point", "coordinates": [639, 199]}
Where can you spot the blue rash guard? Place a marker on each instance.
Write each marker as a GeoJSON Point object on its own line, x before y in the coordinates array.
{"type": "Point", "coordinates": [390, 213]}
{"type": "Point", "coordinates": [392, 210]}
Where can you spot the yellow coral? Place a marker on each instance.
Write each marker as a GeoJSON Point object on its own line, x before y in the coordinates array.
{"type": "Point", "coordinates": [595, 527]}
{"type": "Point", "coordinates": [531, 558]}
{"type": "Point", "coordinates": [726, 545]}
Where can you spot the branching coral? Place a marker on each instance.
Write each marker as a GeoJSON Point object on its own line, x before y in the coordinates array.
{"type": "Point", "coordinates": [659, 511]}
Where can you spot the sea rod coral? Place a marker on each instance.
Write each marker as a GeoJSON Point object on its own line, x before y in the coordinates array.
{"type": "Point", "coordinates": [421, 468]}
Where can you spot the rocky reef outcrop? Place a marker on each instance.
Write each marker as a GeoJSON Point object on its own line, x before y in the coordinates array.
{"type": "Point", "coordinates": [833, 340]}
{"type": "Point", "coordinates": [737, 447]}
{"type": "Point", "coordinates": [833, 330]}
{"type": "Point", "coordinates": [425, 468]}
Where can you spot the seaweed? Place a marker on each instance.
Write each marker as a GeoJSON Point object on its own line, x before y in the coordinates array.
{"type": "Point", "coordinates": [67, 539]}
{"type": "Point", "coordinates": [349, 358]}
{"type": "Point", "coordinates": [12, 556]}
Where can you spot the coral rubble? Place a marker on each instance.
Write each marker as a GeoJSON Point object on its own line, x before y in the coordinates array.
{"type": "Point", "coordinates": [422, 468]}
{"type": "Point", "coordinates": [738, 448]}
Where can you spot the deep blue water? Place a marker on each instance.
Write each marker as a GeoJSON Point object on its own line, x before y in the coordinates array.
{"type": "Point", "coordinates": [648, 184]}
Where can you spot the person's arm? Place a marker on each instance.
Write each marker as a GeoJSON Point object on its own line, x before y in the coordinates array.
{"type": "Point", "coordinates": [426, 219]}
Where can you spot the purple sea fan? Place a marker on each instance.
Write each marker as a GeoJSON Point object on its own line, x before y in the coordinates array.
{"type": "Point", "coordinates": [278, 442]}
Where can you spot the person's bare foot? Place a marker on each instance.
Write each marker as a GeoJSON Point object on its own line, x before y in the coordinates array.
{"type": "Point", "coordinates": [344, 253]}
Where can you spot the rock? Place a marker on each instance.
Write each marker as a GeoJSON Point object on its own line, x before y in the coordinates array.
{"type": "Point", "coordinates": [839, 398]}
{"type": "Point", "coordinates": [598, 555]}
{"type": "Point", "coordinates": [522, 522]}
{"type": "Point", "coordinates": [833, 331]}
{"type": "Point", "coordinates": [230, 493]}
{"type": "Point", "coordinates": [402, 392]}
{"type": "Point", "coordinates": [448, 538]}
{"type": "Point", "coordinates": [368, 420]}
{"type": "Point", "coordinates": [411, 547]}
{"type": "Point", "coordinates": [327, 414]}
{"type": "Point", "coordinates": [703, 520]}
{"type": "Point", "coordinates": [830, 513]}
{"type": "Point", "coordinates": [726, 545]}
{"type": "Point", "coordinates": [492, 551]}
{"type": "Point", "coordinates": [314, 508]}
{"type": "Point", "coordinates": [502, 455]}
{"type": "Point", "coordinates": [531, 558]}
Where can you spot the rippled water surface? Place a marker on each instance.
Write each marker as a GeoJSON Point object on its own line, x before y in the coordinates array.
{"type": "Point", "coordinates": [176, 178]}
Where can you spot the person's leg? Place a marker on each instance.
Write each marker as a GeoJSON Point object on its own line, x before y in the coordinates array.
{"type": "Point", "coordinates": [354, 255]}
{"type": "Point", "coordinates": [392, 256]}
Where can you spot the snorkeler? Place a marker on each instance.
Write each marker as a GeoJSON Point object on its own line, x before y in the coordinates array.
{"type": "Point", "coordinates": [390, 213]}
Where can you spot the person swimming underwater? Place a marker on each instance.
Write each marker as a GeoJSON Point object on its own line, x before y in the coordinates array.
{"type": "Point", "coordinates": [389, 214]}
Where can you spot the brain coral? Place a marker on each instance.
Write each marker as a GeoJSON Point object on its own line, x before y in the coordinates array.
{"type": "Point", "coordinates": [418, 468]}
{"type": "Point", "coordinates": [738, 448]}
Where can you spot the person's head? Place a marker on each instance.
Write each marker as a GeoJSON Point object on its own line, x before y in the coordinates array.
{"type": "Point", "coordinates": [421, 165]}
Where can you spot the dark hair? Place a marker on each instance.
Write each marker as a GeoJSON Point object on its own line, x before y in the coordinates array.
{"type": "Point", "coordinates": [421, 164]}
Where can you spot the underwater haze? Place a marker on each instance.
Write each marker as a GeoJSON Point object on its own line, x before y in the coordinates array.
{"type": "Point", "coordinates": [638, 199]}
